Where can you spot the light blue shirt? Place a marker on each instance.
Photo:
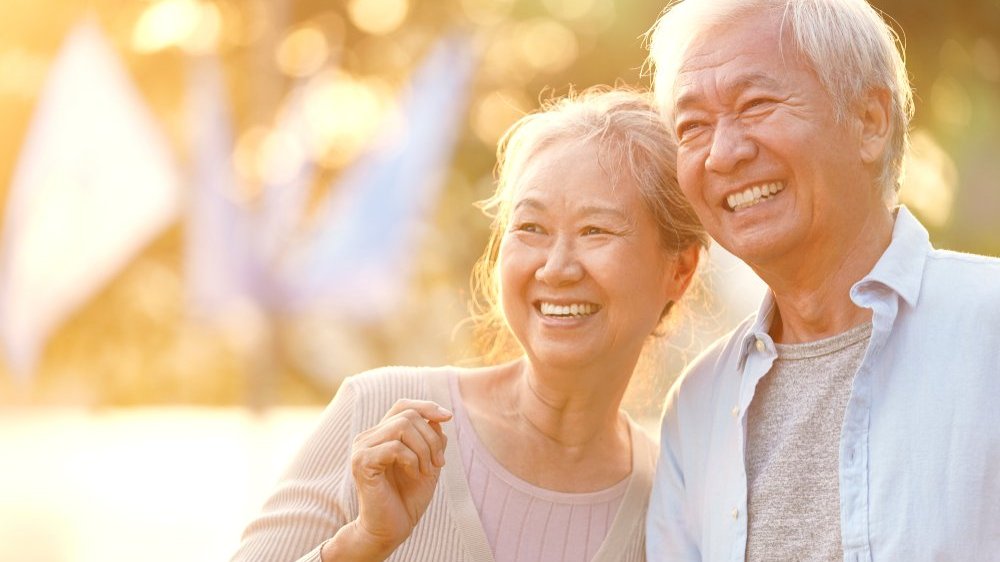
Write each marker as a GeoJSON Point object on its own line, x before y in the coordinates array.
{"type": "Point", "coordinates": [920, 444]}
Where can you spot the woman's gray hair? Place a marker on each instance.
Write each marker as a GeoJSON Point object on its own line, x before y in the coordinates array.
{"type": "Point", "coordinates": [847, 44]}
{"type": "Point", "coordinates": [633, 143]}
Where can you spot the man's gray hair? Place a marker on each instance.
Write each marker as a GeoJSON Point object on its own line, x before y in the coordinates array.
{"type": "Point", "coordinates": [846, 42]}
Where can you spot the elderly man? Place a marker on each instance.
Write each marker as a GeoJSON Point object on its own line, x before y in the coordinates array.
{"type": "Point", "coordinates": [855, 416]}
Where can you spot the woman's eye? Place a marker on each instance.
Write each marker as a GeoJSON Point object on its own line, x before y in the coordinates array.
{"type": "Point", "coordinates": [591, 230]}
{"type": "Point", "coordinates": [527, 227]}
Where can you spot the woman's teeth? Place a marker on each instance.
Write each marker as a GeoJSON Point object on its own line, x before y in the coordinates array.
{"type": "Point", "coordinates": [753, 195]}
{"type": "Point", "coordinates": [582, 309]}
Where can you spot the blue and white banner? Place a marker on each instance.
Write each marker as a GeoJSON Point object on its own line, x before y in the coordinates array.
{"type": "Point", "coordinates": [94, 184]}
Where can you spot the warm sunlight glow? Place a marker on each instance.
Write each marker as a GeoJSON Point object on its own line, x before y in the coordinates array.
{"type": "Point", "coordinates": [546, 45]}
{"type": "Point", "coordinates": [280, 157]}
{"type": "Point", "coordinates": [486, 12]}
{"type": "Point", "coordinates": [302, 52]}
{"type": "Point", "coordinates": [950, 102]}
{"type": "Point", "coordinates": [570, 9]}
{"type": "Point", "coordinates": [987, 59]}
{"type": "Point", "coordinates": [378, 17]}
{"type": "Point", "coordinates": [154, 484]}
{"type": "Point", "coordinates": [495, 112]}
{"type": "Point", "coordinates": [501, 64]}
{"type": "Point", "coordinates": [165, 24]}
{"type": "Point", "coordinates": [23, 73]}
{"type": "Point", "coordinates": [205, 35]}
{"type": "Point", "coordinates": [930, 181]}
{"type": "Point", "coordinates": [343, 113]}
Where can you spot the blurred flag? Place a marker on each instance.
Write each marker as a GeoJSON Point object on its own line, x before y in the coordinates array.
{"type": "Point", "coordinates": [222, 269]}
{"type": "Point", "coordinates": [94, 184]}
{"type": "Point", "coordinates": [232, 242]}
{"type": "Point", "coordinates": [361, 254]}
{"type": "Point", "coordinates": [288, 173]}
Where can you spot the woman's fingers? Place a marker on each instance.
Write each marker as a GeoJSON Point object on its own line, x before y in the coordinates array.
{"type": "Point", "coordinates": [428, 410]}
{"type": "Point", "coordinates": [433, 414]}
{"type": "Point", "coordinates": [416, 425]}
{"type": "Point", "coordinates": [439, 456]}
{"type": "Point", "coordinates": [371, 462]}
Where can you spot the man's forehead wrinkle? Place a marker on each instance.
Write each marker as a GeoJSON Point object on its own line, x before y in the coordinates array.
{"type": "Point", "coordinates": [726, 82]}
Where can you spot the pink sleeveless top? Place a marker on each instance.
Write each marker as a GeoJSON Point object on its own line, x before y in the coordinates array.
{"type": "Point", "coordinates": [525, 523]}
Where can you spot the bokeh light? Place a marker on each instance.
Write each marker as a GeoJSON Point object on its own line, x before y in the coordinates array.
{"type": "Point", "coordinates": [570, 9]}
{"type": "Point", "coordinates": [166, 23]}
{"type": "Point", "coordinates": [496, 111]}
{"type": "Point", "coordinates": [987, 59]}
{"type": "Point", "coordinates": [378, 17]}
{"type": "Point", "coordinates": [343, 113]}
{"type": "Point", "coordinates": [930, 179]}
{"type": "Point", "coordinates": [302, 52]}
{"type": "Point", "coordinates": [486, 12]}
{"type": "Point", "coordinates": [546, 45]}
{"type": "Point", "coordinates": [281, 154]}
{"type": "Point", "coordinates": [306, 87]}
{"type": "Point", "coordinates": [950, 103]}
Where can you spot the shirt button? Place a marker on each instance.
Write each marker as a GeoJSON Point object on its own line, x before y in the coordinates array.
{"type": "Point", "coordinates": [736, 513]}
{"type": "Point", "coordinates": [736, 411]}
{"type": "Point", "coordinates": [760, 345]}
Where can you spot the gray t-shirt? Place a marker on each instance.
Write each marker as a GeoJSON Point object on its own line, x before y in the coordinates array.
{"type": "Point", "coordinates": [793, 449]}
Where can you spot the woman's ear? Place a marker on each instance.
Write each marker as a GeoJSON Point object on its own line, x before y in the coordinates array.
{"type": "Point", "coordinates": [685, 263]}
{"type": "Point", "coordinates": [875, 113]}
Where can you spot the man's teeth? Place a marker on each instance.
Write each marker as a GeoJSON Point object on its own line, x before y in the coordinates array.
{"type": "Point", "coordinates": [582, 309]}
{"type": "Point", "coordinates": [753, 195]}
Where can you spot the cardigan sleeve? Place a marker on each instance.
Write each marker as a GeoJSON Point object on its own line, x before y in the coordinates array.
{"type": "Point", "coordinates": [316, 495]}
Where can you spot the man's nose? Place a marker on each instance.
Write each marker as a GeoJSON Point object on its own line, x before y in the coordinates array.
{"type": "Point", "coordinates": [562, 264]}
{"type": "Point", "coordinates": [731, 146]}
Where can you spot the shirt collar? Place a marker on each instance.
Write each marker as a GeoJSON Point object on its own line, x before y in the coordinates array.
{"type": "Point", "coordinates": [900, 268]}
{"type": "Point", "coordinates": [759, 328]}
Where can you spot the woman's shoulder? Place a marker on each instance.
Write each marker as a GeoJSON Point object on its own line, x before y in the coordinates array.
{"type": "Point", "coordinates": [378, 389]}
{"type": "Point", "coordinates": [396, 381]}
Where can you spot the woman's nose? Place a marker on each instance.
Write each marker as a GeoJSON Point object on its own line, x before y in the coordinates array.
{"type": "Point", "coordinates": [562, 265]}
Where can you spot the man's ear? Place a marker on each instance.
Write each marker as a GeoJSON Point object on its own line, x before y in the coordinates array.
{"type": "Point", "coordinates": [875, 112]}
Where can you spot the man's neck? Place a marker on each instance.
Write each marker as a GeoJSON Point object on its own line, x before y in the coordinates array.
{"type": "Point", "coordinates": [813, 293]}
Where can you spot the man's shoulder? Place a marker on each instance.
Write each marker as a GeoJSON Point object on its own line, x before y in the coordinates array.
{"type": "Point", "coordinates": [720, 359]}
{"type": "Point", "coordinates": [955, 276]}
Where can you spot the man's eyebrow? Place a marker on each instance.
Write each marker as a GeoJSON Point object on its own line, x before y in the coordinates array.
{"type": "Point", "coordinates": [736, 86]}
{"type": "Point", "coordinates": [755, 79]}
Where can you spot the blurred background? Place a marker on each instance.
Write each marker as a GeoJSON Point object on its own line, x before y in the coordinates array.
{"type": "Point", "coordinates": [213, 211]}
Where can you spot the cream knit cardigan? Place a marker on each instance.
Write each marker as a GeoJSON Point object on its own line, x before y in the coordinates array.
{"type": "Point", "coordinates": [317, 496]}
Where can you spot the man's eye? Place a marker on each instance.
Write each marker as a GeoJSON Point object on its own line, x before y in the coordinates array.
{"type": "Point", "coordinates": [756, 103]}
{"type": "Point", "coordinates": [591, 230]}
{"type": "Point", "coordinates": [687, 128]}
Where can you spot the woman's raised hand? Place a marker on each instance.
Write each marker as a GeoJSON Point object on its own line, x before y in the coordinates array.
{"type": "Point", "coordinates": [396, 465]}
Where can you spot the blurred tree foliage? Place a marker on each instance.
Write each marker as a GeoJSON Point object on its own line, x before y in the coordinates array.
{"type": "Point", "coordinates": [133, 344]}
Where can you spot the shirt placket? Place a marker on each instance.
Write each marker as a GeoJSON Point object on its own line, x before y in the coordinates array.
{"type": "Point", "coordinates": [759, 359]}
{"type": "Point", "coordinates": [854, 439]}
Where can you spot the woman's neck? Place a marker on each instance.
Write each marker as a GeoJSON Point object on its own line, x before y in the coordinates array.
{"type": "Point", "coordinates": [568, 409]}
{"type": "Point", "coordinates": [542, 427]}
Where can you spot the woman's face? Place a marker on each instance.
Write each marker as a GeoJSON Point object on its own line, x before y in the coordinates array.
{"type": "Point", "coordinates": [583, 274]}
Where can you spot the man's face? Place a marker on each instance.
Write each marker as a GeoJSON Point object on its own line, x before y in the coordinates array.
{"type": "Point", "coordinates": [772, 174]}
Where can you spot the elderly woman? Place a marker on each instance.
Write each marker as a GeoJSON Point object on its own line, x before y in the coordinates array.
{"type": "Point", "coordinates": [530, 459]}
